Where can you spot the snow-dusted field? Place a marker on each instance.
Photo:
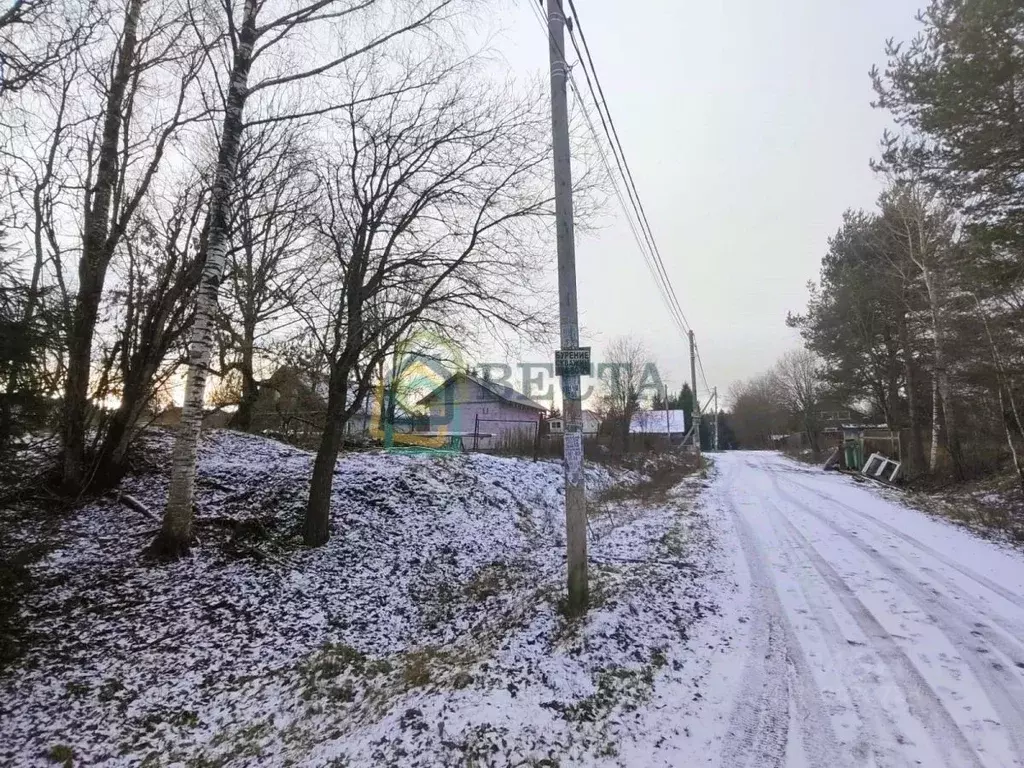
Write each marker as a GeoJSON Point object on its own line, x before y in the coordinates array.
{"type": "Point", "coordinates": [871, 634]}
{"type": "Point", "coordinates": [427, 632]}
{"type": "Point", "coordinates": [772, 615]}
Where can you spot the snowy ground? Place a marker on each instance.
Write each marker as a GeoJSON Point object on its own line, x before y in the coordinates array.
{"type": "Point", "coordinates": [872, 633]}
{"type": "Point", "coordinates": [773, 615]}
{"type": "Point", "coordinates": [427, 632]}
{"type": "Point", "coordinates": [992, 506]}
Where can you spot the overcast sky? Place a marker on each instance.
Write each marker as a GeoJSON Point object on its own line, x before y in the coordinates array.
{"type": "Point", "coordinates": [748, 127]}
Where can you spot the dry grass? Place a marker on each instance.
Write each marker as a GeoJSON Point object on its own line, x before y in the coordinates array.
{"type": "Point", "coordinates": [663, 473]}
{"type": "Point", "coordinates": [994, 506]}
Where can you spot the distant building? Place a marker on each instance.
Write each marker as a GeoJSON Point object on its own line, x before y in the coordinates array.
{"type": "Point", "coordinates": [367, 421]}
{"type": "Point", "coordinates": [591, 424]}
{"type": "Point", "coordinates": [831, 416]}
{"type": "Point", "coordinates": [672, 423]}
{"type": "Point", "coordinates": [484, 413]}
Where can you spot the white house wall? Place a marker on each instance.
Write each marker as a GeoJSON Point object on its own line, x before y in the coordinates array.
{"type": "Point", "coordinates": [471, 402]}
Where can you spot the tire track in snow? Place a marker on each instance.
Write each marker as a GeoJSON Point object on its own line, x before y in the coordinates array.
{"type": "Point", "coordinates": [1013, 631]}
{"type": "Point", "coordinates": [776, 679]}
{"type": "Point", "coordinates": [1012, 649]}
{"type": "Point", "coordinates": [999, 682]}
{"type": "Point", "coordinates": [877, 736]}
{"type": "Point", "coordinates": [1010, 642]}
{"type": "Point", "coordinates": [1012, 645]}
{"type": "Point", "coordinates": [919, 695]}
{"type": "Point", "coordinates": [974, 576]}
{"type": "Point", "coordinates": [759, 723]}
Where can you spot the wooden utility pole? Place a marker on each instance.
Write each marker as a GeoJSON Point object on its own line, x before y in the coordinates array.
{"type": "Point", "coordinates": [575, 498]}
{"type": "Point", "coordinates": [668, 424]}
{"type": "Point", "coordinates": [716, 417]}
{"type": "Point", "coordinates": [696, 402]}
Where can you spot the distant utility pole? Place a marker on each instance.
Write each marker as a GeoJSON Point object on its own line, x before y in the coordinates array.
{"type": "Point", "coordinates": [575, 497]}
{"type": "Point", "coordinates": [668, 425]}
{"type": "Point", "coordinates": [716, 418]}
{"type": "Point", "coordinates": [696, 402]}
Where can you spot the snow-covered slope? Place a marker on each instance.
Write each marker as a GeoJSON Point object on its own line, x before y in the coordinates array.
{"type": "Point", "coordinates": [426, 630]}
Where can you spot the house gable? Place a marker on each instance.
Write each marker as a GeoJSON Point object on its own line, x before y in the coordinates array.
{"type": "Point", "coordinates": [464, 389]}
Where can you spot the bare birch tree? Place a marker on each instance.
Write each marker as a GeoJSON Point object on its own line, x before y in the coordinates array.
{"type": "Point", "coordinates": [1013, 427]}
{"type": "Point", "coordinates": [623, 376]}
{"type": "Point", "coordinates": [273, 202]}
{"type": "Point", "coordinates": [37, 35]}
{"type": "Point", "coordinates": [39, 180]}
{"type": "Point", "coordinates": [905, 287]}
{"type": "Point", "coordinates": [128, 152]}
{"type": "Point", "coordinates": [160, 263]}
{"type": "Point", "coordinates": [434, 219]}
{"type": "Point", "coordinates": [258, 33]}
{"type": "Point", "coordinates": [798, 383]}
{"type": "Point", "coordinates": [923, 226]}
{"type": "Point", "coordinates": [757, 413]}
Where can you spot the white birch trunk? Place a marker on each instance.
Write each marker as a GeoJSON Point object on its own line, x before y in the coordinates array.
{"type": "Point", "coordinates": [942, 382]}
{"type": "Point", "coordinates": [923, 251]}
{"type": "Point", "coordinates": [933, 457]}
{"type": "Point", "coordinates": [1009, 438]}
{"type": "Point", "coordinates": [1004, 382]}
{"type": "Point", "coordinates": [176, 534]}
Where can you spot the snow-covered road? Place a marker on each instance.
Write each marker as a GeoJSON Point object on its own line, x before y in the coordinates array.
{"type": "Point", "coordinates": [868, 633]}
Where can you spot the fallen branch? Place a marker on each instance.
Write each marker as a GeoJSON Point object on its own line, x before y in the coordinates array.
{"type": "Point", "coordinates": [220, 521]}
{"type": "Point", "coordinates": [259, 554]}
{"type": "Point", "coordinates": [132, 503]}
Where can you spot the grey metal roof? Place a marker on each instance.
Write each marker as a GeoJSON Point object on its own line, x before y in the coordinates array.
{"type": "Point", "coordinates": [507, 394]}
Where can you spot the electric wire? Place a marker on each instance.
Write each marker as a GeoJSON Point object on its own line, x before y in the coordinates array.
{"type": "Point", "coordinates": [613, 137]}
{"type": "Point", "coordinates": [636, 227]}
{"type": "Point", "coordinates": [638, 222]}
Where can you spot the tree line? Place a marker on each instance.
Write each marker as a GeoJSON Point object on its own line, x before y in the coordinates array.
{"type": "Point", "coordinates": [630, 385]}
{"type": "Point", "coordinates": [222, 188]}
{"type": "Point", "coordinates": [917, 313]}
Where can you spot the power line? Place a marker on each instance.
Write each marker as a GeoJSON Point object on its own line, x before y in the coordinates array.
{"type": "Point", "coordinates": [632, 225]}
{"type": "Point", "coordinates": [617, 143]}
{"type": "Point", "coordinates": [648, 249]}
{"type": "Point", "coordinates": [700, 367]}
{"type": "Point", "coordinates": [634, 199]}
{"type": "Point", "coordinates": [644, 250]}
{"type": "Point", "coordinates": [654, 262]}
{"type": "Point", "coordinates": [644, 238]}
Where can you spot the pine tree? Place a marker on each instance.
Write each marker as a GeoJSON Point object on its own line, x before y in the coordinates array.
{"type": "Point", "coordinates": [955, 90]}
{"type": "Point", "coordinates": [684, 403]}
